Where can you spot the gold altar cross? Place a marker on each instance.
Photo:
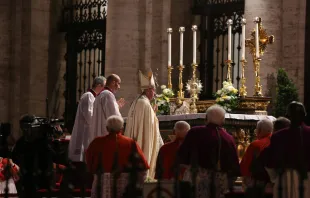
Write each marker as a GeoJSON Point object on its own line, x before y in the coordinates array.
{"type": "Point", "coordinates": [264, 41]}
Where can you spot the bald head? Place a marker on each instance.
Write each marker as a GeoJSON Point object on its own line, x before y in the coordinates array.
{"type": "Point", "coordinates": [215, 115]}
{"type": "Point", "coordinates": [112, 78]}
{"type": "Point", "coordinates": [181, 128]}
{"type": "Point", "coordinates": [113, 82]}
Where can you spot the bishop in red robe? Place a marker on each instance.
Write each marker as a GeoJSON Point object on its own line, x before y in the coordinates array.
{"type": "Point", "coordinates": [112, 152]}
{"type": "Point", "coordinates": [166, 160]}
{"type": "Point", "coordinates": [251, 168]}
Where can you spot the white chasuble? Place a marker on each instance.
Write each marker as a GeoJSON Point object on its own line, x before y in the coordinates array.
{"type": "Point", "coordinates": [80, 134]}
{"type": "Point", "coordinates": [142, 125]}
{"type": "Point", "coordinates": [105, 106]}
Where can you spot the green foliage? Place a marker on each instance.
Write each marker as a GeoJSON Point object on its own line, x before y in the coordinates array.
{"type": "Point", "coordinates": [163, 99]}
{"type": "Point", "coordinates": [286, 93]}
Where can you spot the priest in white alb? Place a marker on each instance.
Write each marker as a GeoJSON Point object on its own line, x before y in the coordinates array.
{"type": "Point", "coordinates": [80, 134]}
{"type": "Point", "coordinates": [142, 124]}
{"type": "Point", "coordinates": [105, 106]}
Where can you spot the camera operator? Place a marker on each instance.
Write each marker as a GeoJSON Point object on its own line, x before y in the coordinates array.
{"type": "Point", "coordinates": [34, 155]}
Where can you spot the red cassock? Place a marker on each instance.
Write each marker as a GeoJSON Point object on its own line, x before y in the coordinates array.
{"type": "Point", "coordinates": [167, 160]}
{"type": "Point", "coordinates": [250, 159]}
{"type": "Point", "coordinates": [104, 149]}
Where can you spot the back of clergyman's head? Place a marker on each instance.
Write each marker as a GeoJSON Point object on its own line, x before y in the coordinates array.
{"type": "Point", "coordinates": [215, 115]}
{"type": "Point", "coordinates": [181, 128]}
{"type": "Point", "coordinates": [99, 80]}
{"type": "Point", "coordinates": [281, 123]}
{"type": "Point", "coordinates": [115, 124]}
{"type": "Point", "coordinates": [264, 126]}
{"type": "Point", "coordinates": [296, 112]}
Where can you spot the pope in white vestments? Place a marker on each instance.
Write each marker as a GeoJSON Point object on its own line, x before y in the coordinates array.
{"type": "Point", "coordinates": [105, 106]}
{"type": "Point", "coordinates": [142, 124]}
{"type": "Point", "coordinates": [80, 134]}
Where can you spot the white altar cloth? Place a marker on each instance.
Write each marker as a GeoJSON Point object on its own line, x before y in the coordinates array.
{"type": "Point", "coordinates": [240, 117]}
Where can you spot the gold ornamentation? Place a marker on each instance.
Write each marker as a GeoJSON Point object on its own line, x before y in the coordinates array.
{"type": "Point", "coordinates": [170, 68]}
{"type": "Point", "coordinates": [253, 103]}
{"type": "Point", "coordinates": [264, 41]}
{"type": "Point", "coordinates": [228, 70]}
{"type": "Point", "coordinates": [258, 86]}
{"type": "Point", "coordinates": [242, 90]}
{"type": "Point", "coordinates": [180, 92]}
{"type": "Point", "coordinates": [242, 140]}
{"type": "Point", "coordinates": [203, 105]}
{"type": "Point", "coordinates": [193, 83]}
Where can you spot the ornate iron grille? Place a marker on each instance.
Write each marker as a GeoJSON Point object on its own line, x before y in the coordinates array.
{"type": "Point", "coordinates": [84, 22]}
{"type": "Point", "coordinates": [213, 42]}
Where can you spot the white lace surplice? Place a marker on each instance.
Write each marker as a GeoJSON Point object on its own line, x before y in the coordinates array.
{"type": "Point", "coordinates": [107, 182]}
{"type": "Point", "coordinates": [203, 182]}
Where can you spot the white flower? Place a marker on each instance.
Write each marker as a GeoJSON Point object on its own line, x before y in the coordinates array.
{"type": "Point", "coordinates": [219, 92]}
{"type": "Point", "coordinates": [227, 98]}
{"type": "Point", "coordinates": [221, 99]}
{"type": "Point", "coordinates": [161, 102]}
{"type": "Point", "coordinates": [163, 87]}
{"type": "Point", "coordinates": [165, 91]}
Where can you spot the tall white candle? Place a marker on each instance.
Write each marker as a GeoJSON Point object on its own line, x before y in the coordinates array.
{"type": "Point", "coordinates": [256, 20]}
{"type": "Point", "coordinates": [229, 24]}
{"type": "Point", "coordinates": [169, 31]}
{"type": "Point", "coordinates": [181, 30]}
{"type": "Point", "coordinates": [243, 21]}
{"type": "Point", "coordinates": [194, 29]}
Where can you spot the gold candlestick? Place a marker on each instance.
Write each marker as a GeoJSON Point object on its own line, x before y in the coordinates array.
{"type": "Point", "coordinates": [228, 70]}
{"type": "Point", "coordinates": [170, 68]}
{"type": "Point", "coordinates": [258, 86]}
{"type": "Point", "coordinates": [194, 89]}
{"type": "Point", "coordinates": [264, 41]}
{"type": "Point", "coordinates": [242, 90]}
{"type": "Point", "coordinates": [180, 92]}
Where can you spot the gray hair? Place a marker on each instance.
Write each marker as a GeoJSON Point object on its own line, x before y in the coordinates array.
{"type": "Point", "coordinates": [215, 114]}
{"type": "Point", "coordinates": [181, 126]}
{"type": "Point", "coordinates": [265, 125]}
{"type": "Point", "coordinates": [99, 80]}
{"type": "Point", "coordinates": [115, 124]}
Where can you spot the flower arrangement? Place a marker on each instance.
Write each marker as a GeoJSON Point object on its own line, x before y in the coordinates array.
{"type": "Point", "coordinates": [227, 97]}
{"type": "Point", "coordinates": [163, 99]}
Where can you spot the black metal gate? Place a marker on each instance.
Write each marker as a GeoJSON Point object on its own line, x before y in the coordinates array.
{"type": "Point", "coordinates": [213, 42]}
{"type": "Point", "coordinates": [84, 22]}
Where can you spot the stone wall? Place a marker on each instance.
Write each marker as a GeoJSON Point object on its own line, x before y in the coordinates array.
{"type": "Point", "coordinates": [285, 20]}
{"type": "Point", "coordinates": [26, 56]}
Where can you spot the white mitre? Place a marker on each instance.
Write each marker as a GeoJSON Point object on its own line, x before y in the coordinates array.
{"type": "Point", "coordinates": [146, 82]}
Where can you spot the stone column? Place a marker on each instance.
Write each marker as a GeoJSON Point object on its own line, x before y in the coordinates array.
{"type": "Point", "coordinates": [270, 12]}
{"type": "Point", "coordinates": [136, 40]}
{"type": "Point", "coordinates": [122, 46]}
{"type": "Point", "coordinates": [293, 41]}
{"type": "Point", "coordinates": [5, 51]}
{"type": "Point", "coordinates": [29, 59]}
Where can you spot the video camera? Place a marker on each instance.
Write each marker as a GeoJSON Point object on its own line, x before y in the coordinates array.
{"type": "Point", "coordinates": [35, 128]}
